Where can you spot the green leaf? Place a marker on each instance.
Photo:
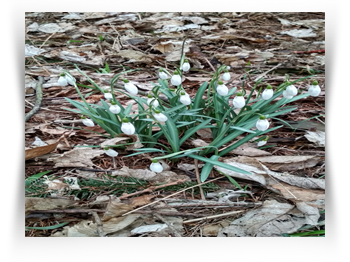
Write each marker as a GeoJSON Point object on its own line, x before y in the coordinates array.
{"type": "Point", "coordinates": [220, 164]}
{"type": "Point", "coordinates": [48, 227]}
{"type": "Point", "coordinates": [193, 130]}
{"type": "Point", "coordinates": [37, 176]}
{"type": "Point", "coordinates": [199, 95]}
{"type": "Point", "coordinates": [207, 168]}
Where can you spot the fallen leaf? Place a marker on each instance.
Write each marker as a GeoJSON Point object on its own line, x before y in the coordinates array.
{"type": "Point", "coordinates": [288, 163]}
{"type": "Point", "coordinates": [164, 48]}
{"type": "Point", "coordinates": [318, 137]}
{"type": "Point", "coordinates": [135, 56]}
{"type": "Point", "coordinates": [39, 151]}
{"type": "Point", "coordinates": [269, 220]}
{"type": "Point", "coordinates": [247, 149]}
{"type": "Point", "coordinates": [38, 203]}
{"type": "Point", "coordinates": [165, 176]}
{"type": "Point", "coordinates": [78, 157]}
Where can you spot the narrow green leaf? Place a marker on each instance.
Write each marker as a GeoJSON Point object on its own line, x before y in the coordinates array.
{"type": "Point", "coordinates": [207, 168]}
{"type": "Point", "coordinates": [220, 164]}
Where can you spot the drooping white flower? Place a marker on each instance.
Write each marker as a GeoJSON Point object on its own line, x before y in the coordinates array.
{"type": "Point", "coordinates": [111, 152]}
{"type": "Point", "coordinates": [162, 74]}
{"type": "Point", "coordinates": [267, 93]}
{"type": "Point", "coordinates": [151, 100]}
{"type": "Point", "coordinates": [286, 95]}
{"type": "Point", "coordinates": [176, 79]}
{"type": "Point", "coordinates": [261, 143]}
{"type": "Point", "coordinates": [87, 121]}
{"type": "Point", "coordinates": [239, 101]}
{"type": "Point", "coordinates": [159, 116]}
{"type": "Point", "coordinates": [62, 81]}
{"type": "Point", "coordinates": [185, 66]}
{"type": "Point", "coordinates": [127, 128]}
{"type": "Point", "coordinates": [70, 79]}
{"type": "Point", "coordinates": [291, 90]}
{"type": "Point", "coordinates": [114, 108]}
{"type": "Point", "coordinates": [228, 67]}
{"type": "Point", "coordinates": [222, 89]}
{"type": "Point", "coordinates": [185, 98]}
{"type": "Point", "coordinates": [130, 87]}
{"type": "Point", "coordinates": [226, 76]}
{"type": "Point", "coordinates": [108, 96]}
{"type": "Point", "coordinates": [262, 124]}
{"type": "Point", "coordinates": [156, 166]}
{"type": "Point", "coordinates": [314, 89]}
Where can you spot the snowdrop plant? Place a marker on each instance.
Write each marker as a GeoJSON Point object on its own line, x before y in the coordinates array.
{"type": "Point", "coordinates": [87, 121]}
{"type": "Point", "coordinates": [226, 76]}
{"type": "Point", "coordinates": [156, 166]}
{"type": "Point", "coordinates": [127, 127]}
{"type": "Point", "coordinates": [176, 79]}
{"type": "Point", "coordinates": [178, 117]}
{"type": "Point", "coordinates": [162, 74]}
{"type": "Point", "coordinates": [186, 66]}
{"type": "Point", "coordinates": [222, 89]}
{"type": "Point", "coordinates": [314, 89]}
{"type": "Point", "coordinates": [130, 87]}
{"type": "Point", "coordinates": [268, 93]}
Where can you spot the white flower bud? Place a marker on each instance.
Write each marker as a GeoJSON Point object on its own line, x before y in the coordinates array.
{"type": "Point", "coordinates": [267, 94]}
{"type": "Point", "coordinates": [88, 122]}
{"type": "Point", "coordinates": [175, 80]}
{"type": "Point", "coordinates": [186, 66]}
{"type": "Point", "coordinates": [115, 109]}
{"type": "Point", "coordinates": [154, 101]}
{"type": "Point", "coordinates": [156, 167]}
{"type": "Point", "coordinates": [261, 143]}
{"type": "Point", "coordinates": [291, 90]}
{"type": "Point", "coordinates": [314, 90]}
{"type": "Point", "coordinates": [131, 88]}
{"type": "Point", "coordinates": [128, 128]}
{"type": "Point", "coordinates": [238, 101]}
{"type": "Point", "coordinates": [262, 124]}
{"type": "Point", "coordinates": [62, 81]}
{"type": "Point", "coordinates": [108, 96]}
{"type": "Point", "coordinates": [286, 95]}
{"type": "Point", "coordinates": [111, 152]}
{"type": "Point", "coordinates": [226, 76]}
{"type": "Point", "coordinates": [185, 99]}
{"type": "Point", "coordinates": [160, 117]}
{"type": "Point", "coordinates": [163, 75]}
{"type": "Point", "coordinates": [222, 90]}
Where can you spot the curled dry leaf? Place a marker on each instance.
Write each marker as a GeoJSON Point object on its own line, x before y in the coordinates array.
{"type": "Point", "coordinates": [39, 151]}
{"type": "Point", "coordinates": [247, 149]}
{"type": "Point", "coordinates": [38, 203]}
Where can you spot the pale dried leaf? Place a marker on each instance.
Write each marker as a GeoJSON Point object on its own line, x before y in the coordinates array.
{"type": "Point", "coordinates": [38, 203]}
{"type": "Point", "coordinates": [135, 56]}
{"type": "Point", "coordinates": [115, 208]}
{"type": "Point", "coordinates": [199, 143]}
{"type": "Point", "coordinates": [311, 213]}
{"type": "Point", "coordinates": [288, 163]}
{"type": "Point", "coordinates": [78, 157]}
{"type": "Point", "coordinates": [318, 137]}
{"type": "Point", "coordinates": [247, 149]}
{"type": "Point", "coordinates": [164, 48]}
{"type": "Point", "coordinates": [149, 228]}
{"type": "Point", "coordinates": [163, 177]}
{"type": "Point", "coordinates": [114, 141]}
{"type": "Point", "coordinates": [39, 151]}
{"type": "Point", "coordinates": [269, 220]}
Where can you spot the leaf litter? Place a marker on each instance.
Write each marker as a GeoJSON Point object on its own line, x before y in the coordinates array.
{"type": "Point", "coordinates": [288, 168]}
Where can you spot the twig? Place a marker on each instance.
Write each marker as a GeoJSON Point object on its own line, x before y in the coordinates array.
{"type": "Point", "coordinates": [132, 211]}
{"type": "Point", "coordinates": [152, 188]}
{"type": "Point", "coordinates": [263, 74]}
{"type": "Point", "coordinates": [212, 217]}
{"type": "Point", "coordinates": [39, 98]}
{"type": "Point", "coordinates": [198, 178]}
{"type": "Point", "coordinates": [99, 224]}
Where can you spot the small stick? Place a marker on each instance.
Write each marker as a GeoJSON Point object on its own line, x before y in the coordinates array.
{"type": "Point", "coordinates": [211, 217]}
{"type": "Point", "coordinates": [132, 211]}
{"type": "Point", "coordinates": [198, 178]}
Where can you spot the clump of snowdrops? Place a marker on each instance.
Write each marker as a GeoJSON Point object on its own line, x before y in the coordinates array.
{"type": "Point", "coordinates": [228, 113]}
